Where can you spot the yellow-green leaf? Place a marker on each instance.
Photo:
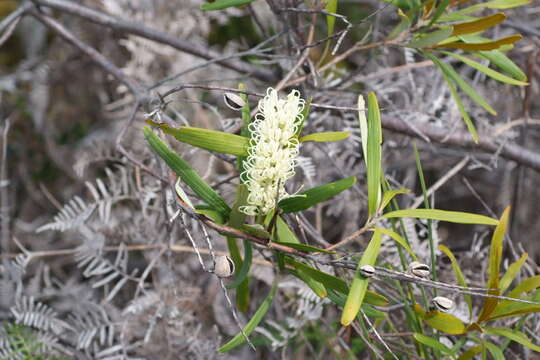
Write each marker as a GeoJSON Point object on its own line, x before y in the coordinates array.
{"type": "Point", "coordinates": [514, 335]}
{"type": "Point", "coordinates": [443, 215]}
{"type": "Point", "coordinates": [432, 343]}
{"type": "Point", "coordinates": [441, 321]}
{"type": "Point", "coordinates": [326, 136]}
{"type": "Point", "coordinates": [239, 339]}
{"type": "Point", "coordinates": [211, 140]}
{"type": "Point", "coordinates": [478, 25]}
{"type": "Point", "coordinates": [315, 286]}
{"type": "Point", "coordinates": [502, 61]}
{"type": "Point", "coordinates": [459, 274]}
{"type": "Point", "coordinates": [469, 354]}
{"type": "Point", "coordinates": [397, 238]}
{"type": "Point", "coordinates": [495, 351]}
{"type": "Point", "coordinates": [489, 72]}
{"type": "Point", "coordinates": [495, 4]}
{"type": "Point", "coordinates": [495, 258]}
{"type": "Point", "coordinates": [389, 195]}
{"type": "Point", "coordinates": [374, 165]}
{"type": "Point", "coordinates": [431, 39]}
{"type": "Point", "coordinates": [360, 283]}
{"type": "Point", "coordinates": [526, 285]}
{"type": "Point", "coordinates": [512, 272]}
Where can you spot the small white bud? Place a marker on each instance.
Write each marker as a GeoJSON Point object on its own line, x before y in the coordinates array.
{"type": "Point", "coordinates": [443, 304]}
{"type": "Point", "coordinates": [418, 269]}
{"type": "Point", "coordinates": [233, 101]}
{"type": "Point", "coordinates": [367, 270]}
{"type": "Point", "coordinates": [223, 266]}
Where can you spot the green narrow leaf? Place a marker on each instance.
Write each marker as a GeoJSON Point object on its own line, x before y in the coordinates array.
{"type": "Point", "coordinates": [478, 25]}
{"type": "Point", "coordinates": [363, 125]}
{"type": "Point", "coordinates": [211, 140]}
{"type": "Point", "coordinates": [431, 39]}
{"type": "Point", "coordinates": [512, 272]}
{"type": "Point", "coordinates": [432, 343]}
{"type": "Point", "coordinates": [284, 233]}
{"type": "Point", "coordinates": [389, 195]}
{"type": "Point", "coordinates": [397, 238]}
{"type": "Point", "coordinates": [443, 215]}
{"type": "Point", "coordinates": [526, 285]}
{"type": "Point", "coordinates": [360, 283]}
{"type": "Point", "coordinates": [495, 351]}
{"type": "Point", "coordinates": [252, 323]}
{"type": "Point", "coordinates": [315, 286]}
{"type": "Point", "coordinates": [451, 73]}
{"type": "Point", "coordinates": [315, 195]}
{"type": "Point", "coordinates": [331, 6]}
{"type": "Point", "coordinates": [443, 4]}
{"type": "Point", "coordinates": [504, 63]}
{"type": "Point", "coordinates": [455, 96]}
{"type": "Point", "coordinates": [470, 354]}
{"type": "Point", "coordinates": [441, 321]}
{"type": "Point", "coordinates": [404, 24]}
{"type": "Point", "coordinates": [243, 271]}
{"type": "Point", "coordinates": [326, 136]}
{"type": "Point", "coordinates": [495, 4]}
{"type": "Point", "coordinates": [186, 173]}
{"type": "Point", "coordinates": [495, 258]}
{"type": "Point", "coordinates": [223, 4]}
{"type": "Point", "coordinates": [489, 72]}
{"type": "Point", "coordinates": [374, 142]}
{"type": "Point", "coordinates": [459, 274]}
{"type": "Point", "coordinates": [514, 335]}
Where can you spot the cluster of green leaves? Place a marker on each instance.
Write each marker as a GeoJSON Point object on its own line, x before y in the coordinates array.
{"type": "Point", "coordinates": [435, 27]}
{"type": "Point", "coordinates": [273, 227]}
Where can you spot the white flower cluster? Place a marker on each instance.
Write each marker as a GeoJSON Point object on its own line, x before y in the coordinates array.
{"type": "Point", "coordinates": [272, 151]}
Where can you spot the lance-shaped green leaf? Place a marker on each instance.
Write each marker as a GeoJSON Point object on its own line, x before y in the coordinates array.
{"type": "Point", "coordinates": [478, 25]}
{"type": "Point", "coordinates": [526, 285]}
{"type": "Point", "coordinates": [186, 173]}
{"type": "Point", "coordinates": [482, 68]}
{"type": "Point", "coordinates": [471, 353]}
{"type": "Point", "coordinates": [432, 343]}
{"type": "Point", "coordinates": [374, 151]}
{"type": "Point", "coordinates": [397, 238]}
{"type": "Point", "coordinates": [441, 321]}
{"type": "Point", "coordinates": [315, 286]}
{"type": "Point", "coordinates": [389, 195]}
{"type": "Point", "coordinates": [455, 96]}
{"type": "Point", "coordinates": [239, 339]}
{"type": "Point", "coordinates": [508, 308]}
{"type": "Point", "coordinates": [360, 283]}
{"type": "Point", "coordinates": [326, 136]}
{"type": "Point", "coordinates": [513, 335]}
{"type": "Point", "coordinates": [315, 195]}
{"type": "Point", "coordinates": [223, 4]}
{"type": "Point", "coordinates": [443, 4]}
{"type": "Point", "coordinates": [494, 351]}
{"type": "Point", "coordinates": [431, 39]}
{"type": "Point", "coordinates": [504, 63]}
{"type": "Point", "coordinates": [459, 274]}
{"type": "Point", "coordinates": [443, 215]}
{"type": "Point", "coordinates": [494, 265]}
{"type": "Point", "coordinates": [211, 140]}
{"type": "Point", "coordinates": [331, 6]}
{"type": "Point", "coordinates": [452, 74]}
{"type": "Point", "coordinates": [335, 283]}
{"type": "Point", "coordinates": [512, 272]}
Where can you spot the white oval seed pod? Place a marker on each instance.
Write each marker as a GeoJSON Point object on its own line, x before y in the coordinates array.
{"type": "Point", "coordinates": [443, 304]}
{"type": "Point", "coordinates": [367, 270]}
{"type": "Point", "coordinates": [233, 101]}
{"type": "Point", "coordinates": [223, 266]}
{"type": "Point", "coordinates": [419, 269]}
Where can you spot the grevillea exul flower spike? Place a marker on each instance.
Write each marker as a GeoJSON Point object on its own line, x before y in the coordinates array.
{"type": "Point", "coordinates": [272, 151]}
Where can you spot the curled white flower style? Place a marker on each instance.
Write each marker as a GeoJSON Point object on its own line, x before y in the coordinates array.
{"type": "Point", "coordinates": [272, 151]}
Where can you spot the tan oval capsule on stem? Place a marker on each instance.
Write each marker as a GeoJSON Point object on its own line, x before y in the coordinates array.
{"type": "Point", "coordinates": [418, 269]}
{"type": "Point", "coordinates": [367, 270]}
{"type": "Point", "coordinates": [233, 101]}
{"type": "Point", "coordinates": [223, 266]}
{"type": "Point", "coordinates": [443, 304]}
